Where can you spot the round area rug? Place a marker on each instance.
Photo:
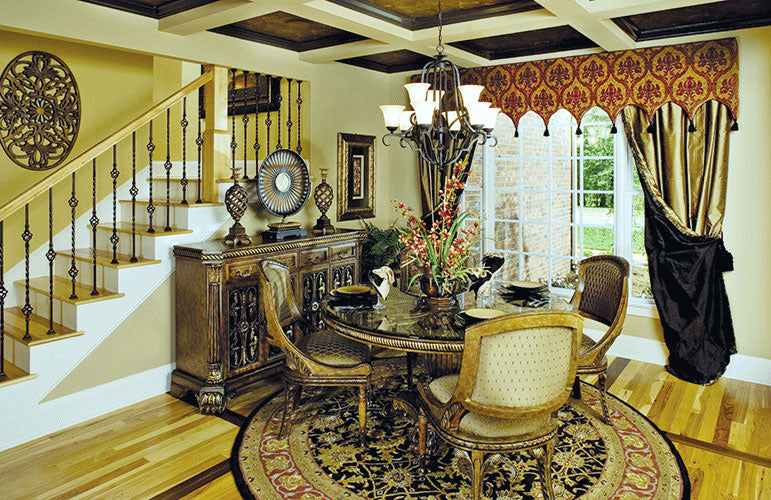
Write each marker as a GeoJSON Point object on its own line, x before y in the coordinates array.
{"type": "Point", "coordinates": [319, 456]}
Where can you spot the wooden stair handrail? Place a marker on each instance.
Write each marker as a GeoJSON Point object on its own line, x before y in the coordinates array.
{"type": "Point", "coordinates": [86, 156]}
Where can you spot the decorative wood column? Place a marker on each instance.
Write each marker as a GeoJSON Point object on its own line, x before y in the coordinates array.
{"type": "Point", "coordinates": [216, 139]}
{"type": "Point", "coordinates": [211, 397]}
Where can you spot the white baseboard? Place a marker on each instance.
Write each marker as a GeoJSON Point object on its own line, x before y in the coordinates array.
{"type": "Point", "coordinates": [66, 411]}
{"type": "Point", "coordinates": [741, 367]}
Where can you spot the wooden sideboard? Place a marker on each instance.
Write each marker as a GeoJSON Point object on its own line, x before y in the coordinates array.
{"type": "Point", "coordinates": [221, 344]}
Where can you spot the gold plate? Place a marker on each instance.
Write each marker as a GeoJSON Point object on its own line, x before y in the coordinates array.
{"type": "Point", "coordinates": [526, 284]}
{"type": "Point", "coordinates": [483, 313]}
{"type": "Point", "coordinates": [352, 290]}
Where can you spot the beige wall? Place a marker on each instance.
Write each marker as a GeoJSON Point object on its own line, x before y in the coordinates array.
{"type": "Point", "coordinates": [114, 86]}
{"type": "Point", "coordinates": [345, 99]}
{"type": "Point", "coordinates": [341, 98]}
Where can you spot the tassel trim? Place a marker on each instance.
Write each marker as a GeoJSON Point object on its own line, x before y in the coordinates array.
{"type": "Point", "coordinates": [613, 129]}
{"type": "Point", "coordinates": [691, 127]}
{"type": "Point", "coordinates": [546, 132]}
{"type": "Point", "coordinates": [652, 127]}
{"type": "Point", "coordinates": [578, 130]}
{"type": "Point", "coordinates": [735, 126]}
{"type": "Point", "coordinates": [516, 133]}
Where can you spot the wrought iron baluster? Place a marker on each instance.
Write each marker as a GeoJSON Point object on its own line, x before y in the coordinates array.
{"type": "Point", "coordinates": [268, 121]}
{"type": "Point", "coordinates": [278, 121]}
{"type": "Point", "coordinates": [150, 207]}
{"type": "Point", "coordinates": [245, 120]}
{"type": "Point", "coordinates": [256, 124]}
{"type": "Point", "coordinates": [233, 144]}
{"type": "Point", "coordinates": [27, 309]}
{"type": "Point", "coordinates": [114, 173]}
{"type": "Point", "coordinates": [167, 166]}
{"type": "Point", "coordinates": [94, 221]}
{"type": "Point", "coordinates": [184, 124]}
{"type": "Point", "coordinates": [50, 255]}
{"type": "Point", "coordinates": [73, 272]}
{"type": "Point", "coordinates": [3, 293]}
{"type": "Point", "coordinates": [134, 191]}
{"type": "Point", "coordinates": [299, 107]}
{"type": "Point", "coordinates": [199, 143]}
{"type": "Point", "coordinates": [289, 114]}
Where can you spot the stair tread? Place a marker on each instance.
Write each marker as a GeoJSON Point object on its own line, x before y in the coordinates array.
{"type": "Point", "coordinates": [14, 374]}
{"type": "Point", "coordinates": [125, 227]}
{"type": "Point", "coordinates": [38, 328]}
{"type": "Point", "coordinates": [63, 289]}
{"type": "Point", "coordinates": [176, 203]}
{"type": "Point", "coordinates": [173, 178]}
{"type": "Point", "coordinates": [104, 258]}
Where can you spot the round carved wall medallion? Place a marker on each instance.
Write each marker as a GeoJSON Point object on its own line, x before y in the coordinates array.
{"type": "Point", "coordinates": [39, 110]}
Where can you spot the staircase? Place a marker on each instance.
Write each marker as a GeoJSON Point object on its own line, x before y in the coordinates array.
{"type": "Point", "coordinates": [51, 321]}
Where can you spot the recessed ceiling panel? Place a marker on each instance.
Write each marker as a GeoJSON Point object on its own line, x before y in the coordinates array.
{"type": "Point", "coordinates": [419, 14]}
{"type": "Point", "coordinates": [708, 18]}
{"type": "Point", "coordinates": [288, 31]}
{"type": "Point", "coordinates": [152, 8]}
{"type": "Point", "coordinates": [526, 43]}
{"type": "Point", "coordinates": [390, 62]}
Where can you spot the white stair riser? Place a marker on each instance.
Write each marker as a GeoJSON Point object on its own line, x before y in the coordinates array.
{"type": "Point", "coordinates": [159, 216]}
{"type": "Point", "coordinates": [17, 353]}
{"type": "Point", "coordinates": [106, 277]}
{"type": "Point", "coordinates": [145, 245]}
{"type": "Point", "coordinates": [64, 312]}
{"type": "Point", "coordinates": [175, 190]}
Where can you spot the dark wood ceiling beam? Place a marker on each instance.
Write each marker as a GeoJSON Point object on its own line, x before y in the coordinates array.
{"type": "Point", "coordinates": [690, 29]}
{"type": "Point", "coordinates": [157, 12]}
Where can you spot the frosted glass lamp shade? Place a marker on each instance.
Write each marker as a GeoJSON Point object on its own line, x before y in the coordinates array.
{"type": "Point", "coordinates": [470, 93]}
{"type": "Point", "coordinates": [391, 115]}
{"type": "Point", "coordinates": [424, 112]}
{"type": "Point", "coordinates": [417, 91]}
{"type": "Point", "coordinates": [490, 117]}
{"type": "Point", "coordinates": [405, 120]}
{"type": "Point", "coordinates": [452, 120]}
{"type": "Point", "coordinates": [477, 113]}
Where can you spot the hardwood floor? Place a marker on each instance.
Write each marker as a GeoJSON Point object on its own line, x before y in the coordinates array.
{"type": "Point", "coordinates": [162, 448]}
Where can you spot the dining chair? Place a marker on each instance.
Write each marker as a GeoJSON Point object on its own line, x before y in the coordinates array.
{"type": "Point", "coordinates": [320, 358]}
{"type": "Point", "coordinates": [601, 295]}
{"type": "Point", "coordinates": [516, 372]}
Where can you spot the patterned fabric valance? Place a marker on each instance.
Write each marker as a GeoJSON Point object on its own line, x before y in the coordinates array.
{"type": "Point", "coordinates": [687, 75]}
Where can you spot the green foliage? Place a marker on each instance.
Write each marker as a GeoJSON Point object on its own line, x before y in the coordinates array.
{"type": "Point", "coordinates": [381, 248]}
{"type": "Point", "coordinates": [598, 173]}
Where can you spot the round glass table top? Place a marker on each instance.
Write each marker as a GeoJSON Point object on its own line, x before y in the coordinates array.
{"type": "Point", "coordinates": [409, 316]}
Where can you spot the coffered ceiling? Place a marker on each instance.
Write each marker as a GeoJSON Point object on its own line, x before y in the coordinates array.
{"type": "Point", "coordinates": [399, 35]}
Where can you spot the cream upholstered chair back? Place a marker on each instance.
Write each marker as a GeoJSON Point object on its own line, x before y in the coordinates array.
{"type": "Point", "coordinates": [517, 365]}
{"type": "Point", "coordinates": [602, 287]}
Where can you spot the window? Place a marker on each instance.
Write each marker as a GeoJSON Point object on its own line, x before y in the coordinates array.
{"type": "Point", "coordinates": [545, 203]}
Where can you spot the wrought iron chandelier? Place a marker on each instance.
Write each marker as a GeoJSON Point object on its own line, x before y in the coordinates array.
{"type": "Point", "coordinates": [447, 119]}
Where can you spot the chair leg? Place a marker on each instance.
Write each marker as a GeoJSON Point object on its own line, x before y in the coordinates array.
{"type": "Point", "coordinates": [543, 457]}
{"type": "Point", "coordinates": [604, 395]}
{"type": "Point", "coordinates": [362, 413]}
{"type": "Point", "coordinates": [289, 403]}
{"type": "Point", "coordinates": [422, 431]}
{"type": "Point", "coordinates": [576, 394]}
{"type": "Point", "coordinates": [477, 461]}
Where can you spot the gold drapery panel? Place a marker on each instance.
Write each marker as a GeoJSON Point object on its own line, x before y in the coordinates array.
{"type": "Point", "coordinates": [685, 172]}
{"type": "Point", "coordinates": [687, 75]}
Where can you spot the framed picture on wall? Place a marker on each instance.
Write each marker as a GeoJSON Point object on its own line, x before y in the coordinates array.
{"type": "Point", "coordinates": [355, 176]}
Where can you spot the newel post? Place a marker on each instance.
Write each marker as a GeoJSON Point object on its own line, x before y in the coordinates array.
{"type": "Point", "coordinates": [216, 138]}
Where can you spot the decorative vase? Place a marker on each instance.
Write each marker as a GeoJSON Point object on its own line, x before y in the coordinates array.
{"type": "Point", "coordinates": [322, 196]}
{"type": "Point", "coordinates": [439, 298]}
{"type": "Point", "coordinates": [236, 200]}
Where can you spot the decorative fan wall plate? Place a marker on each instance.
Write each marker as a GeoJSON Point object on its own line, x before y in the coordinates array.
{"type": "Point", "coordinates": [283, 182]}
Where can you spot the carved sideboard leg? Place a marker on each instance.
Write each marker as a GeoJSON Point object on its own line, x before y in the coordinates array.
{"type": "Point", "coordinates": [211, 397]}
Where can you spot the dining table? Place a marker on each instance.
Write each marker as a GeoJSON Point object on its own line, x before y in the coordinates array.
{"type": "Point", "coordinates": [408, 323]}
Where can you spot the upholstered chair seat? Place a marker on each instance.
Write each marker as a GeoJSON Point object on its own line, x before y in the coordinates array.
{"type": "Point", "coordinates": [601, 295]}
{"type": "Point", "coordinates": [515, 373]}
{"type": "Point", "coordinates": [319, 358]}
{"type": "Point", "coordinates": [325, 346]}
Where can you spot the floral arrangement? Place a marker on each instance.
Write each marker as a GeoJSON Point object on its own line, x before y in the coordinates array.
{"type": "Point", "coordinates": [441, 250]}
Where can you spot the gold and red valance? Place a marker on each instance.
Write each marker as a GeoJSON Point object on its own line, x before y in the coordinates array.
{"type": "Point", "coordinates": [687, 75]}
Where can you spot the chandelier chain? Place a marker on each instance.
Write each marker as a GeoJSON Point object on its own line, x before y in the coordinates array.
{"type": "Point", "coordinates": [440, 47]}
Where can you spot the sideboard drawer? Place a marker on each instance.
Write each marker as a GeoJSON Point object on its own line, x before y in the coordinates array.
{"type": "Point", "coordinates": [288, 259]}
{"type": "Point", "coordinates": [240, 270]}
{"type": "Point", "coordinates": [314, 257]}
{"type": "Point", "coordinates": [342, 252]}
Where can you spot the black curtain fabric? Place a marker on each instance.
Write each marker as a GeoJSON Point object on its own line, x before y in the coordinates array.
{"type": "Point", "coordinates": [686, 275]}
{"type": "Point", "coordinates": [432, 180]}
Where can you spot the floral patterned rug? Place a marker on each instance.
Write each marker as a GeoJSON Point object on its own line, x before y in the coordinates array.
{"type": "Point", "coordinates": [320, 456]}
